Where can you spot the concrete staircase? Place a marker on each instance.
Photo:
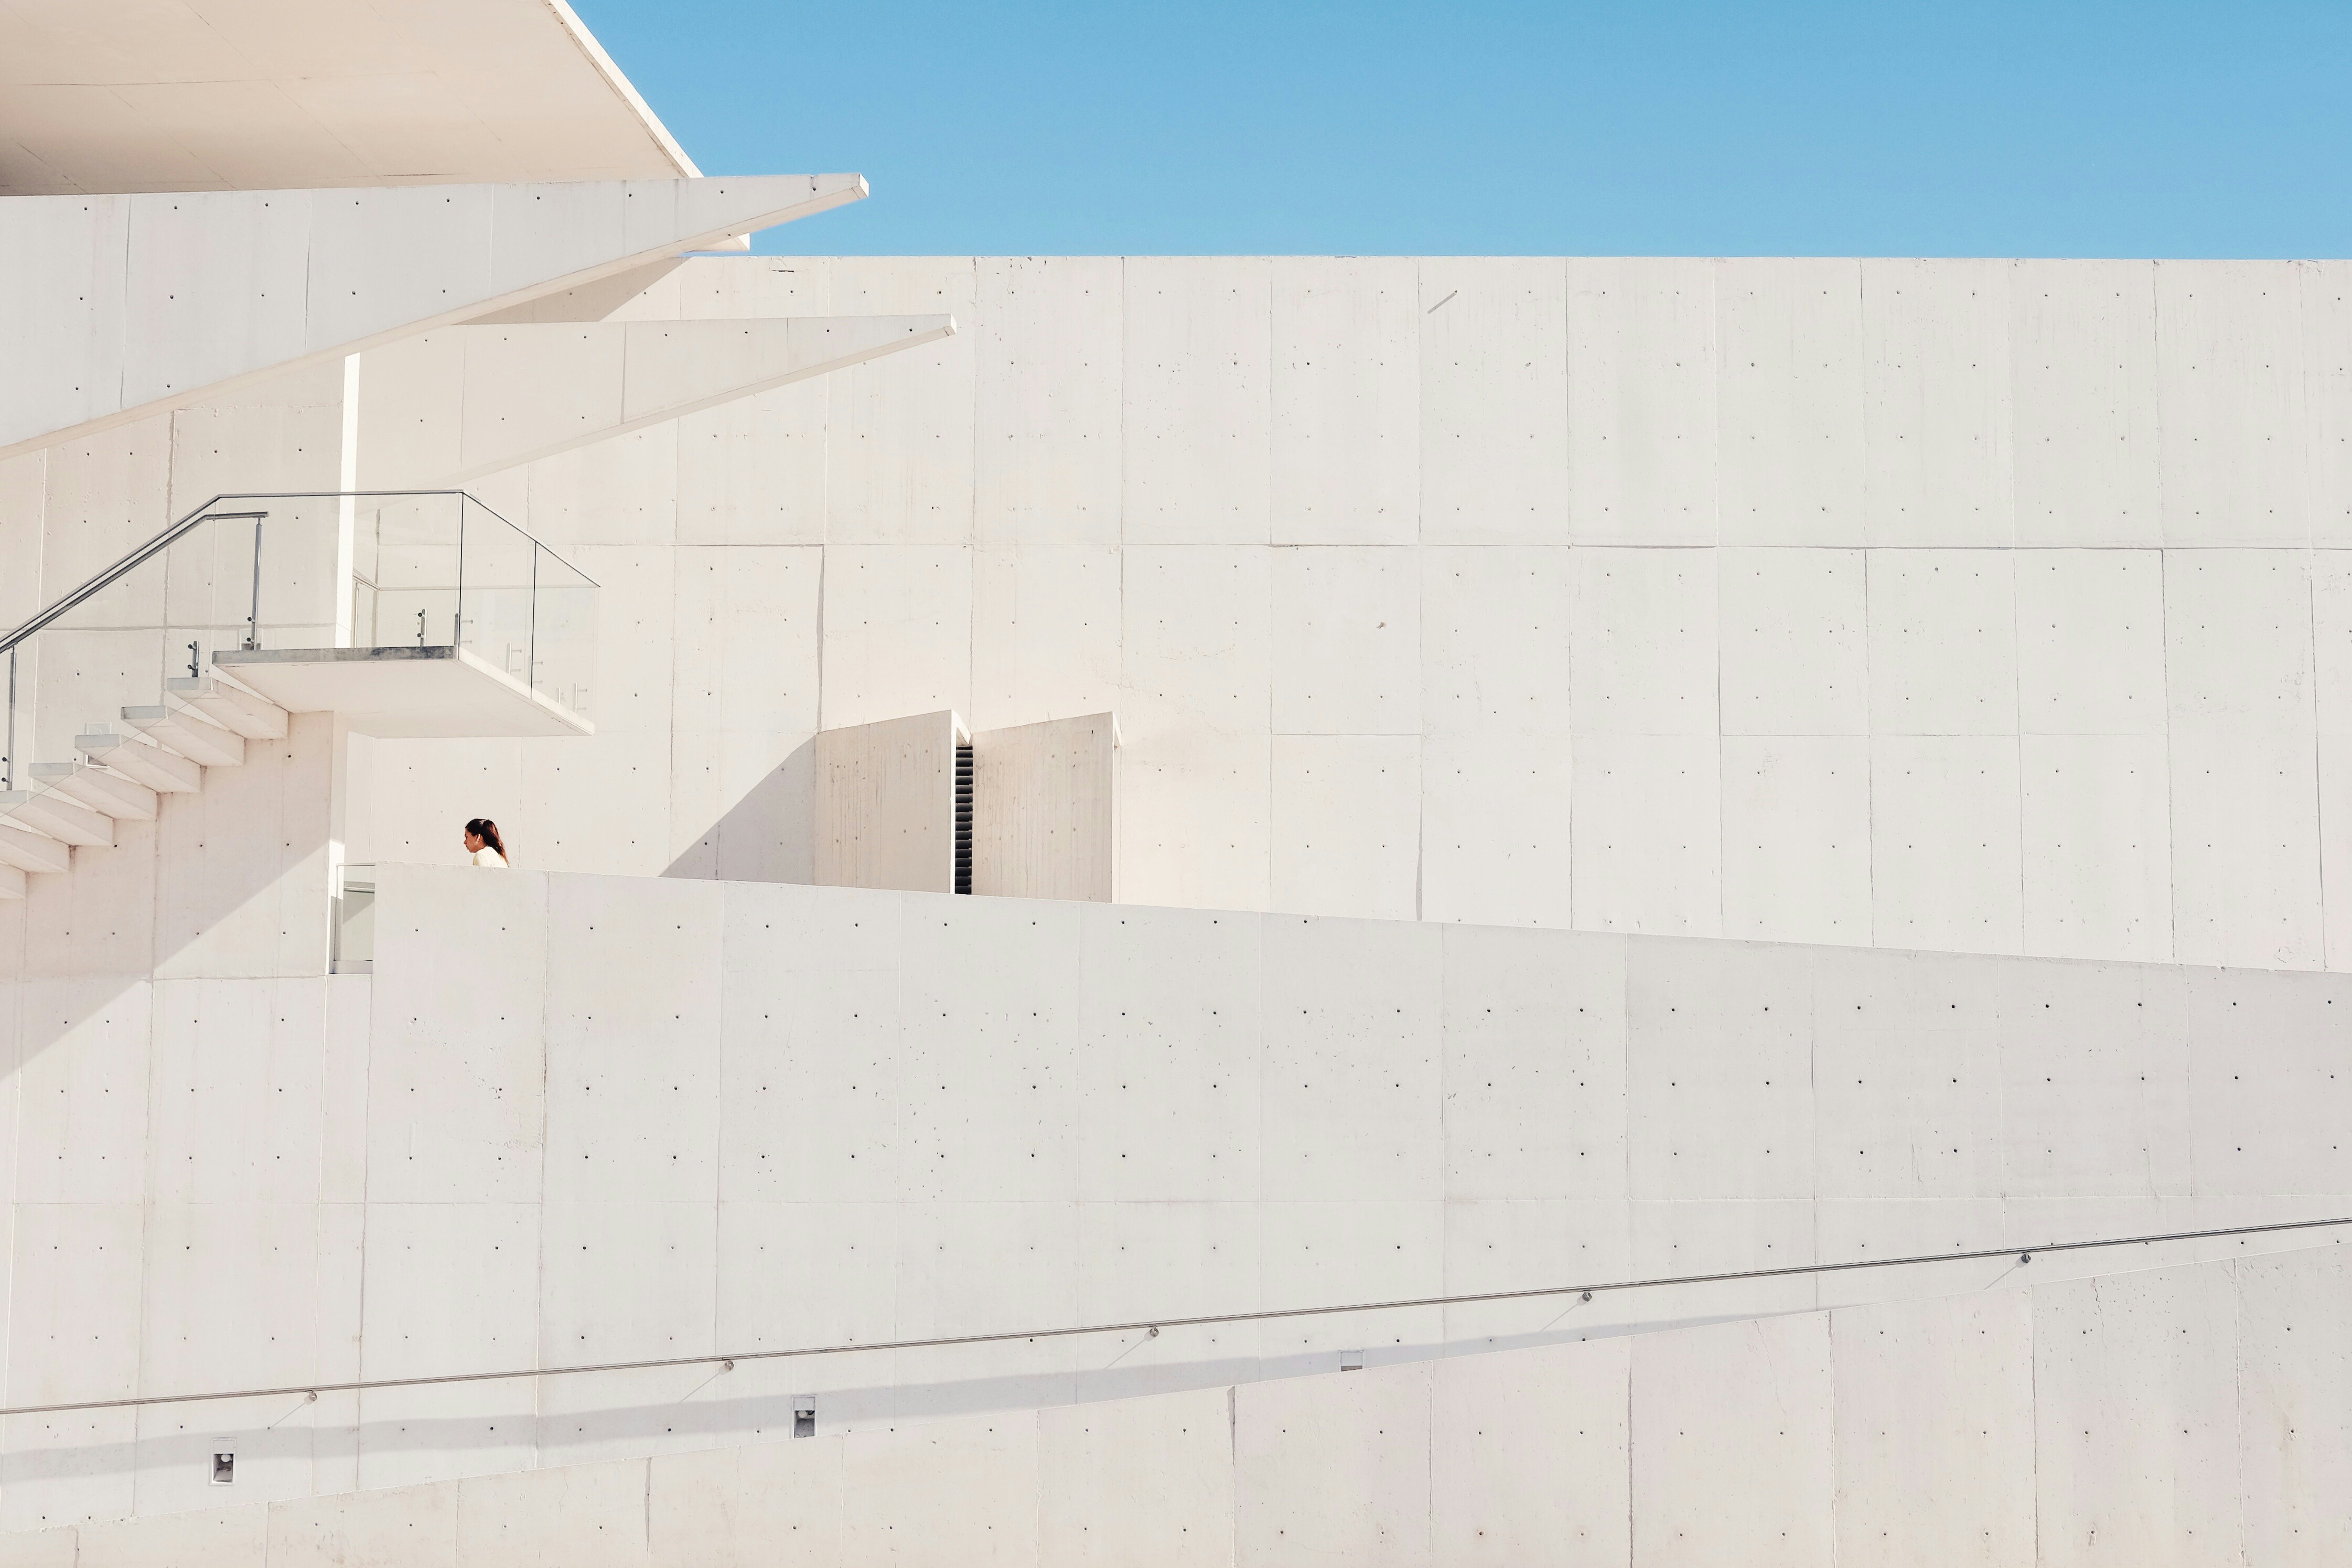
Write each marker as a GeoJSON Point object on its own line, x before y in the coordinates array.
{"type": "Point", "coordinates": [122, 771]}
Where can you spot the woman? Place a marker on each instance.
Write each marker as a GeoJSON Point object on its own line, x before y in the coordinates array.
{"type": "Point", "coordinates": [483, 843]}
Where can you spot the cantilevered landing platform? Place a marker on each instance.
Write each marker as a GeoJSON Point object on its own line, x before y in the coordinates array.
{"type": "Point", "coordinates": [402, 693]}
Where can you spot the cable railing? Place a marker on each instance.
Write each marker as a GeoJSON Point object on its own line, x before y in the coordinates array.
{"type": "Point", "coordinates": [314, 569]}
{"type": "Point", "coordinates": [1154, 1327]}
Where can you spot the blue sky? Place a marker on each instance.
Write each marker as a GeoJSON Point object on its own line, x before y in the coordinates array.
{"type": "Point", "coordinates": [2153, 129]}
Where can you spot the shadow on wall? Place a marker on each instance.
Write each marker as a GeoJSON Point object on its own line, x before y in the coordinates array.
{"type": "Point", "coordinates": [767, 835]}
{"type": "Point", "coordinates": [229, 881]}
{"type": "Point", "coordinates": [587, 1431]}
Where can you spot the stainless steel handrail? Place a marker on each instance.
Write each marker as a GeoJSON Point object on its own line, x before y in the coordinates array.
{"type": "Point", "coordinates": [727, 1361]}
{"type": "Point", "coordinates": [202, 514]}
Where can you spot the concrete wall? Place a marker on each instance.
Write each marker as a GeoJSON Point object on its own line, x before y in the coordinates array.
{"type": "Point", "coordinates": [1044, 809]}
{"type": "Point", "coordinates": [1985, 606]}
{"type": "Point", "coordinates": [2189, 1416]}
{"type": "Point", "coordinates": [582, 1118]}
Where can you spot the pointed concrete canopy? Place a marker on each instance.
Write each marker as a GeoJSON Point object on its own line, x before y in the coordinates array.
{"type": "Point", "coordinates": [112, 308]}
{"type": "Point", "coordinates": [531, 390]}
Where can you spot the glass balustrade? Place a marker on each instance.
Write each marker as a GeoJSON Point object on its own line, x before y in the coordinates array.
{"type": "Point", "coordinates": [432, 569]}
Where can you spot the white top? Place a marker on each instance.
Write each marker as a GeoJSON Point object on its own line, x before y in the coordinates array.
{"type": "Point", "coordinates": [485, 855]}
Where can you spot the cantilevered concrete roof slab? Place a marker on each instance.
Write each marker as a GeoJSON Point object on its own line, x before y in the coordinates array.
{"type": "Point", "coordinates": [111, 96]}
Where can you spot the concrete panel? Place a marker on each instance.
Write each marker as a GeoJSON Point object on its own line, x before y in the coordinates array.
{"type": "Point", "coordinates": [1534, 1070]}
{"type": "Point", "coordinates": [2238, 639]}
{"type": "Point", "coordinates": [1494, 639]}
{"type": "Point", "coordinates": [760, 1504]}
{"type": "Point", "coordinates": [988, 1036]}
{"type": "Point", "coordinates": [2326, 320]}
{"type": "Point", "coordinates": [1527, 1456]}
{"type": "Point", "coordinates": [2135, 1432]}
{"type": "Point", "coordinates": [1719, 1100]}
{"type": "Point", "coordinates": [2082, 349]}
{"type": "Point", "coordinates": [394, 1528]}
{"type": "Point", "coordinates": [1494, 841]}
{"type": "Point", "coordinates": [2245, 848]}
{"type": "Point", "coordinates": [1045, 632]}
{"type": "Point", "coordinates": [899, 431]}
{"type": "Point", "coordinates": [2090, 642]}
{"type": "Point", "coordinates": [1935, 1431]}
{"type": "Point", "coordinates": [1195, 819]}
{"type": "Point", "coordinates": [724, 287]}
{"type": "Point", "coordinates": [753, 472]}
{"type": "Point", "coordinates": [529, 389]}
{"type": "Point", "coordinates": [1937, 401]}
{"type": "Point", "coordinates": [1334, 1469]}
{"type": "Point", "coordinates": [82, 1092]}
{"type": "Point", "coordinates": [632, 1031]}
{"type": "Point", "coordinates": [584, 1516]}
{"type": "Point", "coordinates": [1732, 1435]}
{"type": "Point", "coordinates": [898, 631]}
{"type": "Point", "coordinates": [1793, 637]}
{"type": "Point", "coordinates": [73, 1315]}
{"type": "Point", "coordinates": [1943, 643]}
{"type": "Point", "coordinates": [68, 259]}
{"type": "Point", "coordinates": [39, 1548]}
{"type": "Point", "coordinates": [2294, 1453]}
{"type": "Point", "coordinates": [2081, 1035]}
{"type": "Point", "coordinates": [622, 490]}
{"type": "Point", "coordinates": [823, 1022]}
{"type": "Point", "coordinates": [1796, 838]}
{"type": "Point", "coordinates": [1044, 810]}
{"type": "Point", "coordinates": [886, 804]}
{"type": "Point", "coordinates": [1945, 854]}
{"type": "Point", "coordinates": [981, 1267]}
{"type": "Point", "coordinates": [1647, 817]}
{"type": "Point", "coordinates": [1047, 400]}
{"type": "Point", "coordinates": [1345, 465]}
{"type": "Point", "coordinates": [1642, 629]}
{"type": "Point", "coordinates": [1907, 1081]}
{"type": "Point", "coordinates": [1197, 641]}
{"type": "Point", "coordinates": [2331, 628]}
{"type": "Point", "coordinates": [668, 1253]}
{"type": "Point", "coordinates": [1789, 337]}
{"type": "Point", "coordinates": [1346, 641]}
{"type": "Point", "coordinates": [1351, 1064]}
{"type": "Point", "coordinates": [1141, 1261]}
{"type": "Point", "coordinates": [1641, 379]}
{"type": "Point", "coordinates": [420, 1328]}
{"type": "Point", "coordinates": [1153, 977]}
{"type": "Point", "coordinates": [972, 1482]}
{"type": "Point", "coordinates": [104, 495]}
{"type": "Point", "coordinates": [220, 1537]}
{"type": "Point", "coordinates": [456, 1069]}
{"type": "Point", "coordinates": [2230, 394]}
{"type": "Point", "coordinates": [2095, 825]}
{"type": "Point", "coordinates": [1196, 379]}
{"type": "Point", "coordinates": [1346, 815]}
{"type": "Point", "coordinates": [2336, 849]}
{"type": "Point", "coordinates": [239, 1092]}
{"type": "Point", "coordinates": [2275, 1126]}
{"type": "Point", "coordinates": [1137, 1481]}
{"type": "Point", "coordinates": [1494, 401]}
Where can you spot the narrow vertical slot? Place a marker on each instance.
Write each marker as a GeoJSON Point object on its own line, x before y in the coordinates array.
{"type": "Point", "coordinates": [963, 818]}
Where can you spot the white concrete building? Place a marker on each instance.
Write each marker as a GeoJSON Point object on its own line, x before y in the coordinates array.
{"type": "Point", "coordinates": [1902, 705]}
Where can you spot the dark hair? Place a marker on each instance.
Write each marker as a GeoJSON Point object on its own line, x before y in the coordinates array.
{"type": "Point", "coordinates": [483, 828]}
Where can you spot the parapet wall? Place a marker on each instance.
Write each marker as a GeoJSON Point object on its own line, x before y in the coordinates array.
{"type": "Point", "coordinates": [578, 1118]}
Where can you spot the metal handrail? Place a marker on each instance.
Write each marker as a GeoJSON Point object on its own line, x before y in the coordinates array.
{"type": "Point", "coordinates": [1153, 1326]}
{"type": "Point", "coordinates": [107, 578]}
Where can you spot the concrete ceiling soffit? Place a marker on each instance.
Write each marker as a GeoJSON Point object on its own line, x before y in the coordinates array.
{"type": "Point", "coordinates": [533, 390]}
{"type": "Point", "coordinates": [118, 306]}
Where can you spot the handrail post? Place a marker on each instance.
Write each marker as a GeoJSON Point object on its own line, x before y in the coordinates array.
{"type": "Point", "coordinates": [458, 621]}
{"type": "Point", "coordinates": [530, 642]}
{"type": "Point", "coordinates": [8, 757]}
{"type": "Point", "coordinates": [253, 616]}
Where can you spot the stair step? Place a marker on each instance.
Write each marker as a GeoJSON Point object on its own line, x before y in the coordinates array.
{"type": "Point", "coordinates": [158, 769]}
{"type": "Point", "coordinates": [231, 707]}
{"type": "Point", "coordinates": [12, 882]}
{"type": "Point", "coordinates": [178, 729]}
{"type": "Point", "coordinates": [116, 797]}
{"type": "Point", "coordinates": [46, 811]}
{"type": "Point", "coordinates": [29, 851]}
